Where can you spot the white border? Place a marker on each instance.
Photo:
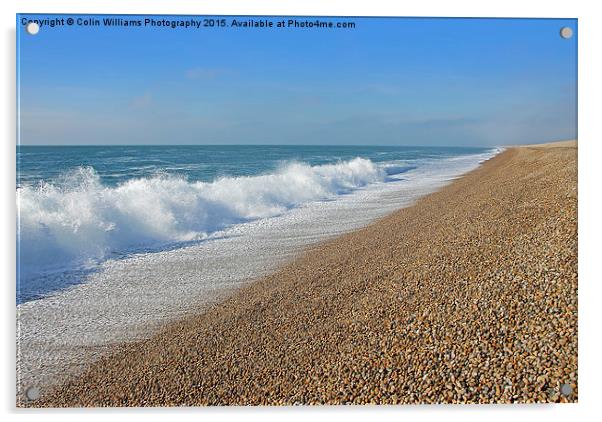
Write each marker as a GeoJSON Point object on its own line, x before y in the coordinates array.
{"type": "Point", "coordinates": [590, 155]}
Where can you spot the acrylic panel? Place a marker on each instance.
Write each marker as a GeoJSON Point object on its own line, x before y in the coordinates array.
{"type": "Point", "coordinates": [280, 210]}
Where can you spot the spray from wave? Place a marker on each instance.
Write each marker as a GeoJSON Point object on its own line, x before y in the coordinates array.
{"type": "Point", "coordinates": [77, 220]}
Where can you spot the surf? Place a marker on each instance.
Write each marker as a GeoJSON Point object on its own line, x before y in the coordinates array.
{"type": "Point", "coordinates": [77, 221]}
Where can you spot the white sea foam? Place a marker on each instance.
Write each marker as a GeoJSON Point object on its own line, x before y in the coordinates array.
{"type": "Point", "coordinates": [79, 220]}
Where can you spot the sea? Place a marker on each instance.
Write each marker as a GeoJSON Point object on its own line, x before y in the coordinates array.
{"type": "Point", "coordinates": [79, 206]}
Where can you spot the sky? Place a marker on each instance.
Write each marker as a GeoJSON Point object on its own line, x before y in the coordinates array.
{"type": "Point", "coordinates": [388, 81]}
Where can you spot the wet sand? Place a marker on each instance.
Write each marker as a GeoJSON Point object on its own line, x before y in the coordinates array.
{"type": "Point", "coordinates": [470, 295]}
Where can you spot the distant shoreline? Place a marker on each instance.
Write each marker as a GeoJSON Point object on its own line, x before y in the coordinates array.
{"type": "Point", "coordinates": [432, 303]}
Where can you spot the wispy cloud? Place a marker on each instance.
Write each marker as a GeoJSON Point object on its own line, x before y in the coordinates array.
{"type": "Point", "coordinates": [379, 89]}
{"type": "Point", "coordinates": [143, 101]}
{"type": "Point", "coordinates": [203, 73]}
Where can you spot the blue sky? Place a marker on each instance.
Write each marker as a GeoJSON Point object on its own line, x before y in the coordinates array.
{"type": "Point", "coordinates": [389, 81]}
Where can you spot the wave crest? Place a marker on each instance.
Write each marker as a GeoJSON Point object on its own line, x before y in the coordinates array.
{"type": "Point", "coordinates": [77, 219]}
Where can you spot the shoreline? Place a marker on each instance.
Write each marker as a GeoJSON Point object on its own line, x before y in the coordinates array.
{"type": "Point", "coordinates": [337, 324]}
{"type": "Point", "coordinates": [132, 299]}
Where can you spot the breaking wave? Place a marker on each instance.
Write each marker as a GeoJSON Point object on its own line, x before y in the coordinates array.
{"type": "Point", "coordinates": [78, 220]}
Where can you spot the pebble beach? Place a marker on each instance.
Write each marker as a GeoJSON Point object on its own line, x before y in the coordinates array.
{"type": "Point", "coordinates": [468, 296]}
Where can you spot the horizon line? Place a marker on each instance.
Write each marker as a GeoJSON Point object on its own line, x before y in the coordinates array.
{"type": "Point", "coordinates": [263, 145]}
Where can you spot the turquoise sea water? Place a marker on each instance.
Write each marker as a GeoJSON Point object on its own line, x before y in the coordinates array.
{"type": "Point", "coordinates": [116, 164]}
